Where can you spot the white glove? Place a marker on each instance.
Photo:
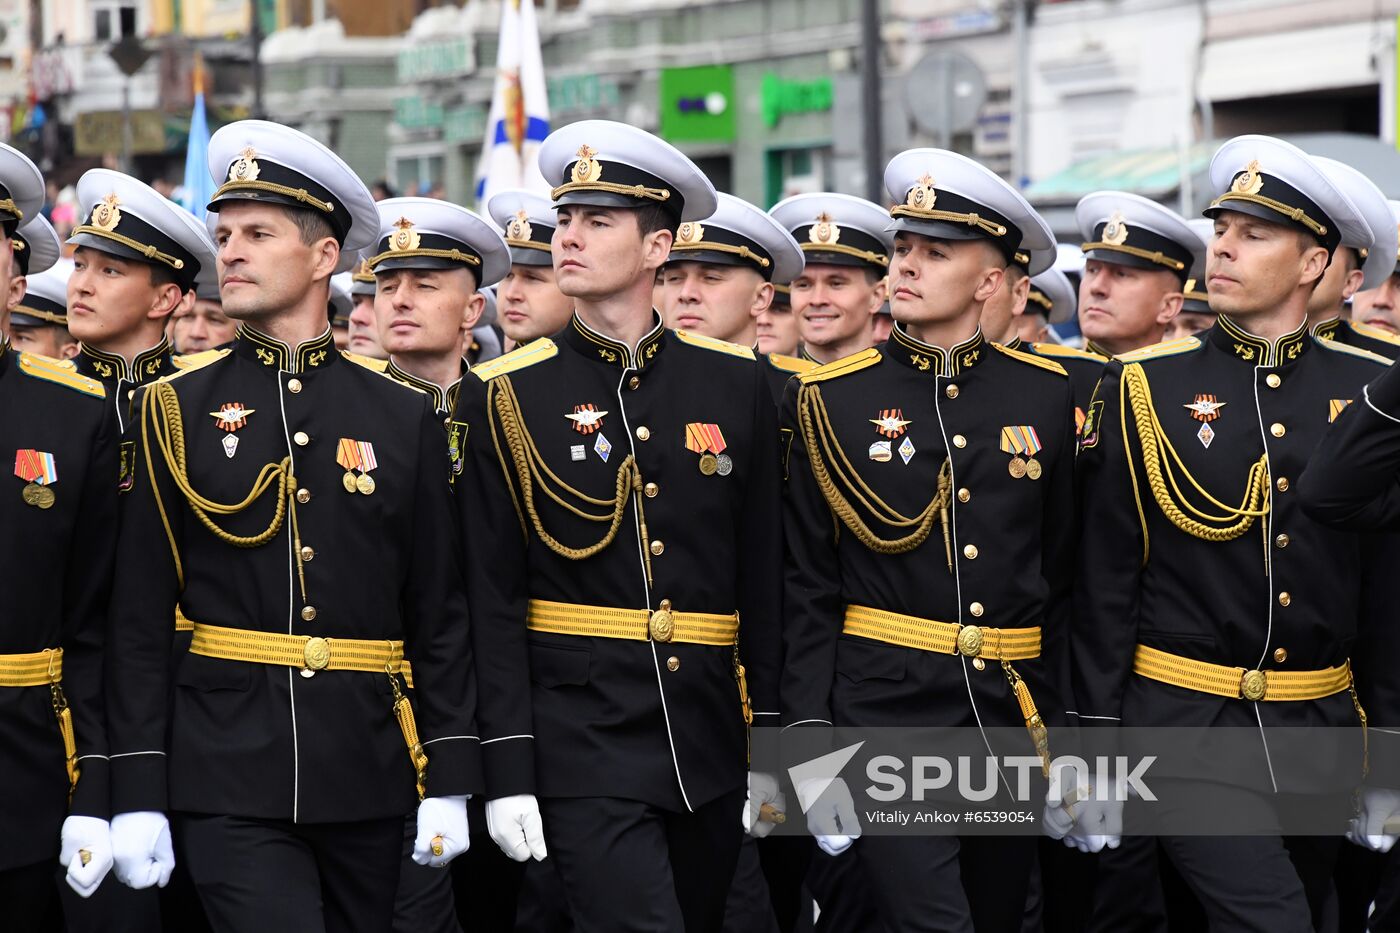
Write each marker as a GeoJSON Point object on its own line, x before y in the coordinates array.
{"type": "Point", "coordinates": [1368, 828]}
{"type": "Point", "coordinates": [515, 825]}
{"type": "Point", "coordinates": [87, 851]}
{"type": "Point", "coordinates": [831, 813]}
{"type": "Point", "coordinates": [442, 831]}
{"type": "Point", "coordinates": [1066, 789]}
{"type": "Point", "coordinates": [1098, 824]}
{"type": "Point", "coordinates": [763, 790]}
{"type": "Point", "coordinates": [141, 849]}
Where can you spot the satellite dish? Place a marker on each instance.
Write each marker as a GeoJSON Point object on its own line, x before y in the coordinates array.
{"type": "Point", "coordinates": [944, 94]}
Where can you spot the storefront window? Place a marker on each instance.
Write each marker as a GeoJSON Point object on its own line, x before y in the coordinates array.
{"type": "Point", "coordinates": [796, 171]}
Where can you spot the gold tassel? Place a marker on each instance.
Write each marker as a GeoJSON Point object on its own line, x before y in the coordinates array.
{"type": "Point", "coordinates": [1040, 736]}
{"type": "Point", "coordinates": [1361, 714]}
{"type": "Point", "coordinates": [403, 712]}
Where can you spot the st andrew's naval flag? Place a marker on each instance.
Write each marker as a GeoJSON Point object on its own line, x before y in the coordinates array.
{"type": "Point", "coordinates": [519, 118]}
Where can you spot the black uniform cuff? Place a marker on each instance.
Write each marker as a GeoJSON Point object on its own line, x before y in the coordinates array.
{"type": "Point", "coordinates": [92, 796]}
{"type": "Point", "coordinates": [139, 784]}
{"type": "Point", "coordinates": [454, 768]}
{"type": "Point", "coordinates": [510, 767]}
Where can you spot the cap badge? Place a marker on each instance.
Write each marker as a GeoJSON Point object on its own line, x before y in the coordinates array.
{"type": "Point", "coordinates": [106, 215]}
{"type": "Point", "coordinates": [519, 227]}
{"type": "Point", "coordinates": [245, 167]}
{"type": "Point", "coordinates": [922, 196]}
{"type": "Point", "coordinates": [1249, 180]}
{"type": "Point", "coordinates": [586, 169]}
{"type": "Point", "coordinates": [404, 236]}
{"type": "Point", "coordinates": [825, 231]}
{"type": "Point", "coordinates": [1115, 232]}
{"type": "Point", "coordinates": [690, 234]}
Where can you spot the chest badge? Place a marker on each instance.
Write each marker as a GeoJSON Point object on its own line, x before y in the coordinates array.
{"type": "Point", "coordinates": [1023, 443]}
{"type": "Point", "coordinates": [891, 423]}
{"type": "Point", "coordinates": [353, 455]}
{"type": "Point", "coordinates": [1205, 409]}
{"type": "Point", "coordinates": [230, 417]}
{"type": "Point", "coordinates": [586, 418]}
{"type": "Point", "coordinates": [708, 441]}
{"type": "Point", "coordinates": [39, 472]}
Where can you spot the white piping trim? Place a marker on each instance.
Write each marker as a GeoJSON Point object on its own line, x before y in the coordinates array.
{"type": "Point", "coordinates": [1366, 394]}
{"type": "Point", "coordinates": [291, 605]}
{"type": "Point", "coordinates": [1268, 572]}
{"type": "Point", "coordinates": [507, 738]}
{"type": "Point", "coordinates": [452, 738]}
{"type": "Point", "coordinates": [134, 754]}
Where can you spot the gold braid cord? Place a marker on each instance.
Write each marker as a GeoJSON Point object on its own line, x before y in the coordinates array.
{"type": "Point", "coordinates": [1162, 480]}
{"type": "Point", "coordinates": [163, 428]}
{"type": "Point", "coordinates": [532, 472]}
{"type": "Point", "coordinates": [828, 458]}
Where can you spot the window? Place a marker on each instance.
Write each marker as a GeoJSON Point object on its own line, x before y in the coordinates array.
{"type": "Point", "coordinates": [112, 21]}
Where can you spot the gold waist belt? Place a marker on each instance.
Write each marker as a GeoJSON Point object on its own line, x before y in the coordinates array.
{"type": "Point", "coordinates": [975, 641]}
{"type": "Point", "coordinates": [182, 624]}
{"type": "Point", "coordinates": [664, 624]}
{"type": "Point", "coordinates": [1236, 683]}
{"type": "Point", "coordinates": [31, 670]}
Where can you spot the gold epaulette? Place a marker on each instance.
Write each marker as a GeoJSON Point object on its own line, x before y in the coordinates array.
{"type": "Point", "coordinates": [197, 360]}
{"type": "Point", "coordinates": [519, 358]}
{"type": "Point", "coordinates": [711, 343]}
{"type": "Point", "coordinates": [791, 364]}
{"type": "Point", "coordinates": [1059, 349]}
{"type": "Point", "coordinates": [1354, 351]}
{"type": "Point", "coordinates": [1023, 357]}
{"type": "Point", "coordinates": [1170, 348]}
{"type": "Point", "coordinates": [847, 364]}
{"type": "Point", "coordinates": [61, 372]}
{"type": "Point", "coordinates": [368, 362]}
{"type": "Point", "coordinates": [1375, 333]}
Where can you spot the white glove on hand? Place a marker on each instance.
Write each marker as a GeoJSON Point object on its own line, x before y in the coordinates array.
{"type": "Point", "coordinates": [515, 825]}
{"type": "Point", "coordinates": [87, 851]}
{"type": "Point", "coordinates": [1098, 824]}
{"type": "Point", "coordinates": [141, 849]}
{"type": "Point", "coordinates": [763, 789]}
{"type": "Point", "coordinates": [442, 831]}
{"type": "Point", "coordinates": [1378, 805]}
{"type": "Point", "coordinates": [831, 813]}
{"type": "Point", "coordinates": [1066, 789]}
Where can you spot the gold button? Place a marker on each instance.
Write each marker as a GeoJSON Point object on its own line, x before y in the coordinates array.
{"type": "Point", "coordinates": [633, 383]}
{"type": "Point", "coordinates": [1280, 655]}
{"type": "Point", "coordinates": [1273, 380]}
{"type": "Point", "coordinates": [1282, 484]}
{"type": "Point", "coordinates": [658, 547]}
{"type": "Point", "coordinates": [976, 609]}
{"type": "Point", "coordinates": [951, 391]}
{"type": "Point", "coordinates": [673, 664]}
{"type": "Point", "coordinates": [643, 432]}
{"type": "Point", "coordinates": [970, 552]}
{"type": "Point", "coordinates": [307, 553]}
{"type": "Point", "coordinates": [301, 438]}
{"type": "Point", "coordinates": [1277, 430]}
{"type": "Point", "coordinates": [1284, 599]}
{"type": "Point", "coordinates": [959, 440]}
{"type": "Point", "coordinates": [964, 495]}
{"type": "Point", "coordinates": [303, 496]}
{"type": "Point", "coordinates": [651, 489]}
{"type": "Point", "coordinates": [1281, 541]}
{"type": "Point", "coordinates": [294, 386]}
{"type": "Point", "coordinates": [308, 613]}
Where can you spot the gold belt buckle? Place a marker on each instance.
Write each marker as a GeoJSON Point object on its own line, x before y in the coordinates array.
{"type": "Point", "coordinates": [970, 640]}
{"type": "Point", "coordinates": [661, 625]}
{"type": "Point", "coordinates": [1253, 685]}
{"type": "Point", "coordinates": [316, 654]}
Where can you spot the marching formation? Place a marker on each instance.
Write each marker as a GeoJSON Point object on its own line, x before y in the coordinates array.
{"type": "Point", "coordinates": [315, 591]}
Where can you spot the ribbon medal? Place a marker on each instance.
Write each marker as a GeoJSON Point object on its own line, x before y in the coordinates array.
{"type": "Point", "coordinates": [707, 440]}
{"type": "Point", "coordinates": [1019, 439]}
{"type": "Point", "coordinates": [1335, 407]}
{"type": "Point", "coordinates": [39, 472]}
{"type": "Point", "coordinates": [355, 455]}
{"type": "Point", "coordinates": [230, 417]}
{"type": "Point", "coordinates": [891, 423]}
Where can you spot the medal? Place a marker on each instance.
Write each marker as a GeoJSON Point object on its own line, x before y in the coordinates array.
{"type": "Point", "coordinates": [586, 418]}
{"type": "Point", "coordinates": [891, 423]}
{"type": "Point", "coordinates": [880, 452]}
{"type": "Point", "coordinates": [356, 455]}
{"type": "Point", "coordinates": [906, 450]}
{"type": "Point", "coordinates": [365, 484]}
{"type": "Point", "coordinates": [1023, 443]}
{"type": "Point", "coordinates": [348, 481]}
{"type": "Point", "coordinates": [707, 440]}
{"type": "Point", "coordinates": [41, 497]}
{"type": "Point", "coordinates": [39, 472]}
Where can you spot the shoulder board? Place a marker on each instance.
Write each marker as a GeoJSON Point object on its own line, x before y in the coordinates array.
{"type": "Point", "coordinates": [1375, 333]}
{"type": "Point", "coordinates": [61, 372]}
{"type": "Point", "coordinates": [710, 343]}
{"type": "Point", "coordinates": [1354, 351]}
{"type": "Point", "coordinates": [1032, 359]}
{"type": "Point", "coordinates": [1059, 349]}
{"type": "Point", "coordinates": [847, 364]}
{"type": "Point", "coordinates": [1170, 348]}
{"type": "Point", "coordinates": [519, 358]}
{"type": "Point", "coordinates": [196, 360]}
{"type": "Point", "coordinates": [791, 364]}
{"type": "Point", "coordinates": [368, 362]}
